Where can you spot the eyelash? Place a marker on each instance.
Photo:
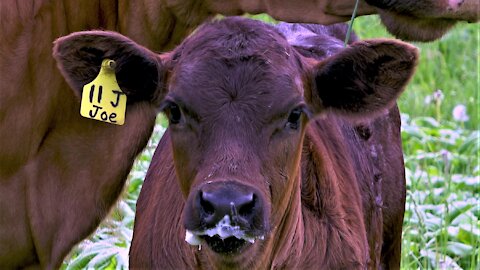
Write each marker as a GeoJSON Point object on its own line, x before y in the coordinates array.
{"type": "Point", "coordinates": [293, 120]}
{"type": "Point", "coordinates": [173, 113]}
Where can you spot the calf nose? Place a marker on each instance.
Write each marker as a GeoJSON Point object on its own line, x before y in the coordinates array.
{"type": "Point", "coordinates": [240, 203]}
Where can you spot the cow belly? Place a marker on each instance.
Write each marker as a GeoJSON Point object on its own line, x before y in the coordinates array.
{"type": "Point", "coordinates": [16, 245]}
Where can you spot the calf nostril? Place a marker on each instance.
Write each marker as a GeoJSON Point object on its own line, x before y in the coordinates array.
{"type": "Point", "coordinates": [241, 206]}
{"type": "Point", "coordinates": [247, 208]}
{"type": "Point", "coordinates": [206, 206]}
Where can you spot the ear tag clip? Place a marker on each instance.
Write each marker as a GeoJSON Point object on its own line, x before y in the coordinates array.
{"type": "Point", "coordinates": [102, 98]}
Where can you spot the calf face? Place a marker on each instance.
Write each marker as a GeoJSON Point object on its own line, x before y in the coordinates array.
{"type": "Point", "coordinates": [238, 98]}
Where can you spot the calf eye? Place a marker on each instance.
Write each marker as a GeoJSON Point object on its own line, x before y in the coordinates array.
{"type": "Point", "coordinates": [293, 121]}
{"type": "Point", "coordinates": [174, 114]}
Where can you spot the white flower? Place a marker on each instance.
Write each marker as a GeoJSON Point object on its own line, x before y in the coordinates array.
{"type": "Point", "coordinates": [438, 95]}
{"type": "Point", "coordinates": [460, 113]}
{"type": "Point", "coordinates": [446, 154]}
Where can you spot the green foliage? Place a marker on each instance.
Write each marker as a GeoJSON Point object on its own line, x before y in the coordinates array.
{"type": "Point", "coordinates": [441, 226]}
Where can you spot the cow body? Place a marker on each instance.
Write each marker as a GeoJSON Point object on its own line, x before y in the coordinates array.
{"type": "Point", "coordinates": [415, 20]}
{"type": "Point", "coordinates": [60, 173]}
{"type": "Point", "coordinates": [295, 196]}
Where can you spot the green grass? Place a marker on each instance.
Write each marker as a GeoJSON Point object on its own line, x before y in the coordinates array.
{"type": "Point", "coordinates": [442, 218]}
{"type": "Point", "coordinates": [441, 228]}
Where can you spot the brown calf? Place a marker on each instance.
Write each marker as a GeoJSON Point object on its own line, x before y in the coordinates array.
{"type": "Point", "coordinates": [240, 173]}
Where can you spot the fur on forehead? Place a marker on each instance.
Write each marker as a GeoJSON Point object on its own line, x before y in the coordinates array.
{"type": "Point", "coordinates": [235, 38]}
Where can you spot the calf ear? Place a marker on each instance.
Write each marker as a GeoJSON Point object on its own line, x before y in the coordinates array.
{"type": "Point", "coordinates": [139, 72]}
{"type": "Point", "coordinates": [364, 78]}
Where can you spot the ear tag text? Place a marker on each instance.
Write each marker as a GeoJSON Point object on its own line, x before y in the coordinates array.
{"type": "Point", "coordinates": [102, 98]}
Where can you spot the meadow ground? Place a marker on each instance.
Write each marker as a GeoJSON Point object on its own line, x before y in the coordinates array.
{"type": "Point", "coordinates": [441, 141]}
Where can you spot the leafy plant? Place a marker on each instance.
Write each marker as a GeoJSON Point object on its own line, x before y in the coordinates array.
{"type": "Point", "coordinates": [441, 228]}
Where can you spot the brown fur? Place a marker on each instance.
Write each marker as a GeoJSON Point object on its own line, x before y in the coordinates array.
{"type": "Point", "coordinates": [414, 20]}
{"type": "Point", "coordinates": [378, 152]}
{"type": "Point", "coordinates": [235, 82]}
{"type": "Point", "coordinates": [425, 20]}
{"type": "Point", "coordinates": [60, 173]}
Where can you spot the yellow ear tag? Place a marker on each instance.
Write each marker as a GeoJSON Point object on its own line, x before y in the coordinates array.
{"type": "Point", "coordinates": [102, 98]}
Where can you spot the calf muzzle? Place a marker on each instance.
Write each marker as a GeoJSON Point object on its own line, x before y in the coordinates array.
{"type": "Point", "coordinates": [226, 215]}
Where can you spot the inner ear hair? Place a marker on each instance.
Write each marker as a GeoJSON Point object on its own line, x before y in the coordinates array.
{"type": "Point", "coordinates": [364, 79]}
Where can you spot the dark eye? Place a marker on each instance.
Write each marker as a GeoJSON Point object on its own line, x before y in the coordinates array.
{"type": "Point", "coordinates": [174, 114]}
{"type": "Point", "coordinates": [293, 120]}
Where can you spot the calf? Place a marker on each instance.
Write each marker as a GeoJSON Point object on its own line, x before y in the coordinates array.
{"type": "Point", "coordinates": [240, 173]}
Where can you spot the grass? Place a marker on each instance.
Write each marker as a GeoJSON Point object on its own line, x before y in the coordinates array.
{"type": "Point", "coordinates": [442, 227]}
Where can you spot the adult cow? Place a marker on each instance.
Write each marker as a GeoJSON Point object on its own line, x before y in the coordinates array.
{"type": "Point", "coordinates": [239, 171]}
{"type": "Point", "coordinates": [59, 172]}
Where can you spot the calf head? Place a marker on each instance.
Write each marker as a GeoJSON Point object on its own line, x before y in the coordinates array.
{"type": "Point", "coordinates": [238, 98]}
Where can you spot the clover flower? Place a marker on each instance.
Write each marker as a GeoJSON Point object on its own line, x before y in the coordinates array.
{"type": "Point", "coordinates": [460, 113]}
